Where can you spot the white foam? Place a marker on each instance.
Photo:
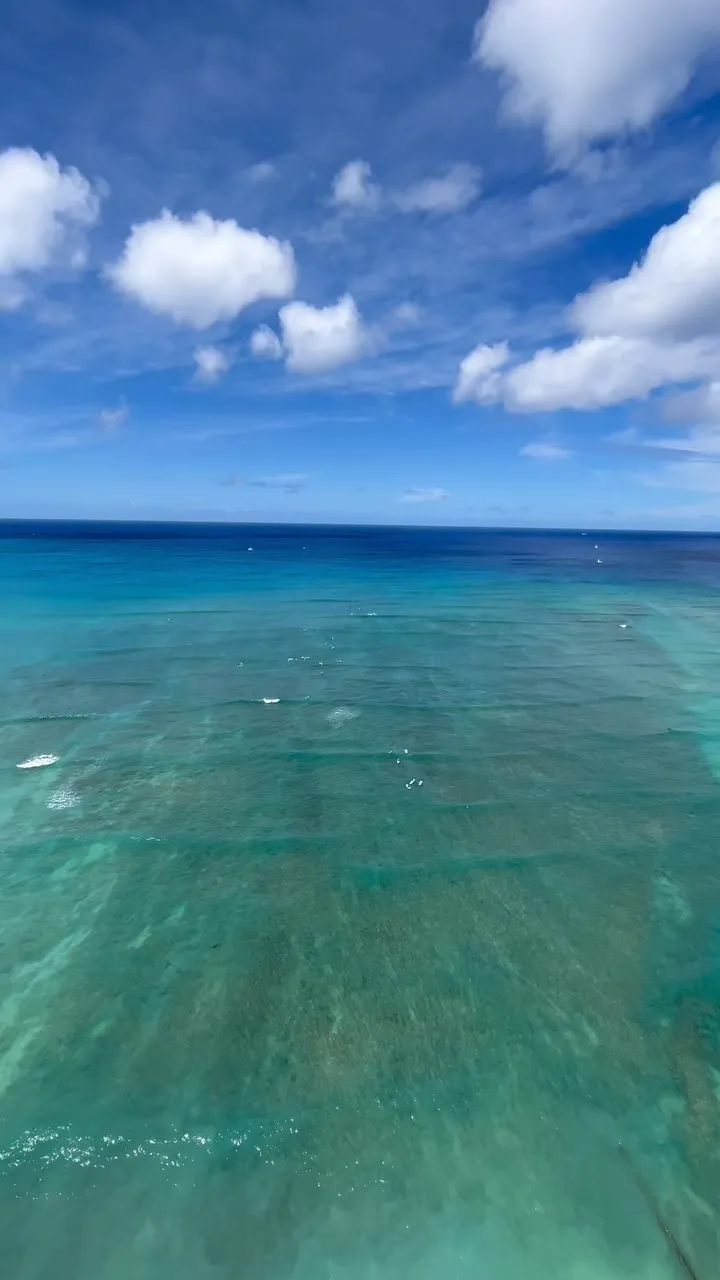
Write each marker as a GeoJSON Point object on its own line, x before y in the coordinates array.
{"type": "Point", "coordinates": [63, 798]}
{"type": "Point", "coordinates": [38, 762]}
{"type": "Point", "coordinates": [341, 715]}
{"type": "Point", "coordinates": [269, 702]}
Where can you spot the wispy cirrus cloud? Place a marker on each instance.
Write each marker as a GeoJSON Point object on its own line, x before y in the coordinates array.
{"type": "Point", "coordinates": [111, 419]}
{"type": "Point", "coordinates": [413, 496]}
{"type": "Point", "coordinates": [449, 192]}
{"type": "Point", "coordinates": [292, 482]}
{"type": "Point", "coordinates": [545, 451]}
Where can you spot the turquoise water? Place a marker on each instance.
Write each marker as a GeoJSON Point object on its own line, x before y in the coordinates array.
{"type": "Point", "coordinates": [372, 901]}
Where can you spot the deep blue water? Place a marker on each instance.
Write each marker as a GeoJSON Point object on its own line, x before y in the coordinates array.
{"type": "Point", "coordinates": [371, 902]}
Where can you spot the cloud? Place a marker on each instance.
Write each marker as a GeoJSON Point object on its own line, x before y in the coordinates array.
{"type": "Point", "coordinates": [693, 475]}
{"type": "Point", "coordinates": [596, 373]}
{"type": "Point", "coordinates": [265, 344]}
{"type": "Point", "coordinates": [211, 364]}
{"type": "Point", "coordinates": [199, 271]}
{"type": "Point", "coordinates": [479, 378]}
{"type": "Point", "coordinates": [593, 69]}
{"type": "Point", "coordinates": [674, 291]}
{"type": "Point", "coordinates": [42, 210]}
{"type": "Point", "coordinates": [111, 419]}
{"type": "Point", "coordinates": [13, 293]}
{"type": "Point", "coordinates": [411, 496]}
{"type": "Point", "coordinates": [292, 483]}
{"type": "Point", "coordinates": [264, 171]}
{"type": "Point", "coordinates": [352, 187]}
{"type": "Point", "coordinates": [700, 406]}
{"type": "Point", "coordinates": [545, 450]}
{"type": "Point", "coordinates": [455, 190]}
{"type": "Point", "coordinates": [704, 441]}
{"type": "Point", "coordinates": [317, 339]}
{"type": "Point", "coordinates": [657, 326]}
{"type": "Point", "coordinates": [406, 315]}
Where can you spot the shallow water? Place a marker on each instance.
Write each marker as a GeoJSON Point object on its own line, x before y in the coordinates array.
{"type": "Point", "coordinates": [372, 901]}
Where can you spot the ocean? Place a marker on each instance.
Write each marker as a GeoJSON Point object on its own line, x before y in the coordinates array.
{"type": "Point", "coordinates": [359, 903]}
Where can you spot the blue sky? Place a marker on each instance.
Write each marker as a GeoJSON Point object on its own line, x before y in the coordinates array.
{"type": "Point", "coordinates": [419, 263]}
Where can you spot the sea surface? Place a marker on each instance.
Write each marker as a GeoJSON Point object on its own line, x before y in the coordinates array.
{"type": "Point", "coordinates": [367, 924]}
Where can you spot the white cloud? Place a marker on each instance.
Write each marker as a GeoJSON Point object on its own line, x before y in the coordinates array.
{"type": "Point", "coordinates": [588, 69]}
{"type": "Point", "coordinates": [111, 419]}
{"type": "Point", "coordinates": [13, 293]}
{"type": "Point", "coordinates": [406, 315]}
{"type": "Point", "coordinates": [693, 475]}
{"type": "Point", "coordinates": [702, 441]}
{"type": "Point", "coordinates": [454, 190]}
{"type": "Point", "coordinates": [264, 171]}
{"type": "Point", "coordinates": [201, 270]}
{"type": "Point", "coordinates": [701, 407]}
{"type": "Point", "coordinates": [596, 372]}
{"type": "Point", "coordinates": [352, 187]}
{"type": "Point", "coordinates": [545, 450]}
{"type": "Point", "coordinates": [317, 339]}
{"type": "Point", "coordinates": [657, 326]}
{"type": "Point", "coordinates": [479, 378]}
{"type": "Point", "coordinates": [412, 496]}
{"type": "Point", "coordinates": [265, 344]}
{"type": "Point", "coordinates": [674, 291]}
{"type": "Point", "coordinates": [290, 483]}
{"type": "Point", "coordinates": [42, 210]}
{"type": "Point", "coordinates": [211, 364]}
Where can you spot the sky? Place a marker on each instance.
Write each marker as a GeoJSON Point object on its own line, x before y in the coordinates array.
{"type": "Point", "coordinates": [390, 262]}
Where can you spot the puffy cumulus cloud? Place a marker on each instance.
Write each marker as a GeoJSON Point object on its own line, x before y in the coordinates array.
{"type": "Point", "coordinates": [656, 327]}
{"type": "Point", "coordinates": [199, 271]}
{"type": "Point", "coordinates": [589, 69]}
{"type": "Point", "coordinates": [545, 451]}
{"type": "Point", "coordinates": [597, 372]}
{"type": "Point", "coordinates": [352, 186]}
{"type": "Point", "coordinates": [265, 344]}
{"type": "Point", "coordinates": [448, 193]}
{"type": "Point", "coordinates": [43, 208]}
{"type": "Point", "coordinates": [674, 291]}
{"type": "Point", "coordinates": [317, 339]}
{"type": "Point", "coordinates": [210, 364]}
{"type": "Point", "coordinates": [412, 496]}
{"type": "Point", "coordinates": [479, 377]}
